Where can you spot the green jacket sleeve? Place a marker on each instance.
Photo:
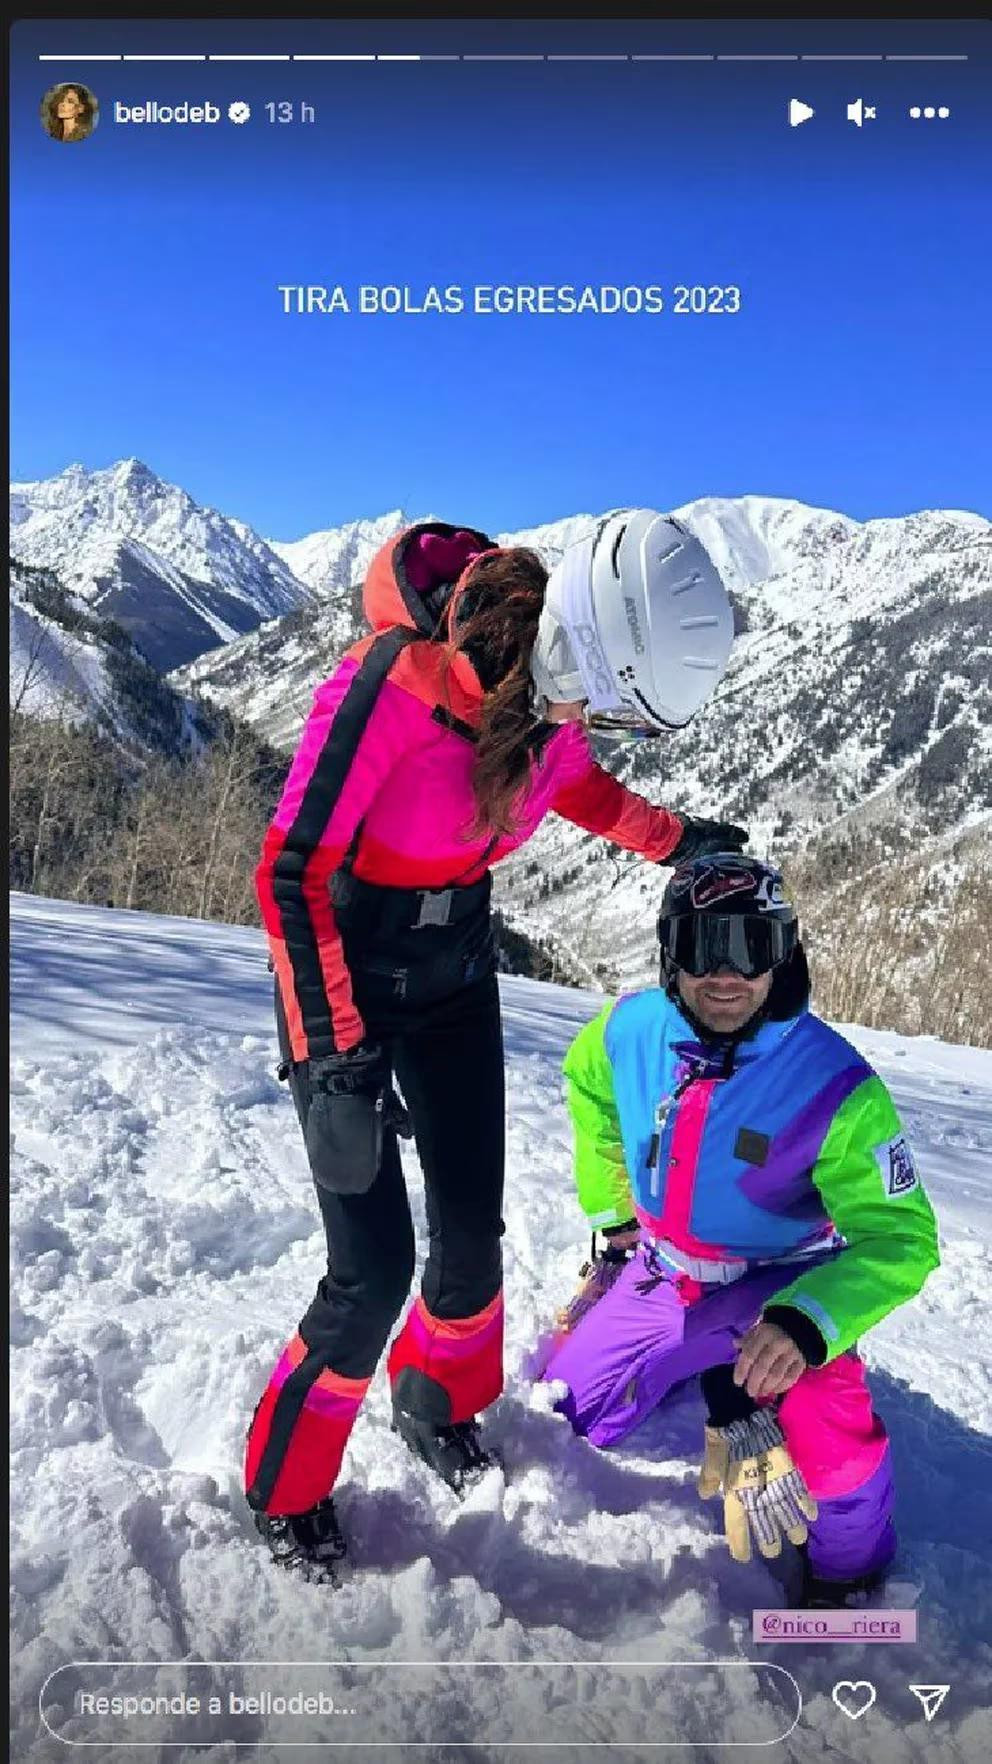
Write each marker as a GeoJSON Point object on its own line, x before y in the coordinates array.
{"type": "Point", "coordinates": [872, 1193]}
{"type": "Point", "coordinates": [600, 1169]}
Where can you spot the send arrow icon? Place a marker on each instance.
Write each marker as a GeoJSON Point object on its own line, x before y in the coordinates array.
{"type": "Point", "coordinates": [930, 1696]}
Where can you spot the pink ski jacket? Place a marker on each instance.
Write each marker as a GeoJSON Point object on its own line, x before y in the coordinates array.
{"type": "Point", "coordinates": [390, 787]}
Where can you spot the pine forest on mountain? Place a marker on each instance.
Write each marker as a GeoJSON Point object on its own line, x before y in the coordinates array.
{"type": "Point", "coordinates": [163, 657]}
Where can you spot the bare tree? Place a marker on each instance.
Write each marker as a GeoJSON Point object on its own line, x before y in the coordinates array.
{"type": "Point", "coordinates": [229, 773]}
{"type": "Point", "coordinates": [59, 764]}
{"type": "Point", "coordinates": [39, 643]}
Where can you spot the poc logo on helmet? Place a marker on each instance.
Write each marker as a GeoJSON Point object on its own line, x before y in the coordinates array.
{"type": "Point", "coordinates": [595, 660]}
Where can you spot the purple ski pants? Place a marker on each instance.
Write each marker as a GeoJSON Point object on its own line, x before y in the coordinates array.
{"type": "Point", "coordinates": [646, 1335]}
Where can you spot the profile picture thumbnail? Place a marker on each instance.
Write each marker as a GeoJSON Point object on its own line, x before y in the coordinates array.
{"type": "Point", "coordinates": [69, 111]}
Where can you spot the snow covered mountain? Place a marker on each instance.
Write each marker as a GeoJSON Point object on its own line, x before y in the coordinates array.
{"type": "Point", "coordinates": [810, 585]}
{"type": "Point", "coordinates": [854, 725]}
{"type": "Point", "coordinates": [268, 677]}
{"type": "Point", "coordinates": [333, 560]}
{"type": "Point", "coordinates": [857, 711]}
{"type": "Point", "coordinates": [165, 1239]}
{"type": "Point", "coordinates": [858, 699]}
{"type": "Point", "coordinates": [56, 667]}
{"type": "Point", "coordinates": [70, 664]}
{"type": "Point", "coordinates": [179, 578]}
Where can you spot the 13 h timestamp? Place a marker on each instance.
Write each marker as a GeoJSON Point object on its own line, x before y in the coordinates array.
{"type": "Point", "coordinates": [288, 110]}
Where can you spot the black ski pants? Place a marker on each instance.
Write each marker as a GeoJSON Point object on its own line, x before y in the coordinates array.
{"type": "Point", "coordinates": [431, 998]}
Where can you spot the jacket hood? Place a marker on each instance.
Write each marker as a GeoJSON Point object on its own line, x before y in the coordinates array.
{"type": "Point", "coordinates": [411, 579]}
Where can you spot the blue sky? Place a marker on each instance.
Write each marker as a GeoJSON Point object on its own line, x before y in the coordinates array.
{"type": "Point", "coordinates": [146, 317]}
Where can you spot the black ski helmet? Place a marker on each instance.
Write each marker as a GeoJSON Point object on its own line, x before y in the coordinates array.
{"type": "Point", "coordinates": [732, 910]}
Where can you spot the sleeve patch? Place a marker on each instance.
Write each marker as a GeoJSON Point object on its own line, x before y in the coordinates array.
{"type": "Point", "coordinates": [896, 1167]}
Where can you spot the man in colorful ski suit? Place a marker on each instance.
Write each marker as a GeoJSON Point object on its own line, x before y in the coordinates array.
{"type": "Point", "coordinates": [758, 1165]}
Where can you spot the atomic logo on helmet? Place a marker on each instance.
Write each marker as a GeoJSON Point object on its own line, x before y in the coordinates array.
{"type": "Point", "coordinates": [637, 623]}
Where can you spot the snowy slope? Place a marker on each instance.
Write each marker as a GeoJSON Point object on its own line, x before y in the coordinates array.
{"type": "Point", "coordinates": [70, 665]}
{"type": "Point", "coordinates": [337, 557]}
{"type": "Point", "coordinates": [180, 578]}
{"type": "Point", "coordinates": [164, 1246]}
{"type": "Point", "coordinates": [54, 672]}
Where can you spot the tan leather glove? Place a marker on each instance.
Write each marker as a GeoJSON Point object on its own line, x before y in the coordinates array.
{"type": "Point", "coordinates": [763, 1492]}
{"type": "Point", "coordinates": [595, 1278]}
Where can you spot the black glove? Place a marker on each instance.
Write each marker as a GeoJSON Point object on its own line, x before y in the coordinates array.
{"type": "Point", "coordinates": [613, 1231]}
{"type": "Point", "coordinates": [725, 1401]}
{"type": "Point", "coordinates": [701, 838]}
{"type": "Point", "coordinates": [351, 1103]}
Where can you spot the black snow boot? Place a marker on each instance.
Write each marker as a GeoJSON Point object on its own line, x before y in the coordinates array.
{"type": "Point", "coordinates": [307, 1543]}
{"type": "Point", "coordinates": [455, 1451]}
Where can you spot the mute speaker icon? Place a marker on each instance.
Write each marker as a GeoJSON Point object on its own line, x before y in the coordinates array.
{"type": "Point", "coordinates": [859, 112]}
{"type": "Point", "coordinates": [799, 112]}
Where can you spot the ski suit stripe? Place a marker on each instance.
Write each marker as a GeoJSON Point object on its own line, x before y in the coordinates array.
{"type": "Point", "coordinates": [349, 740]}
{"type": "Point", "coordinates": [283, 969]}
{"type": "Point", "coordinates": [333, 1384]}
{"type": "Point", "coordinates": [374, 757]}
{"type": "Point", "coordinates": [683, 1168]}
{"type": "Point", "coordinates": [297, 1437]}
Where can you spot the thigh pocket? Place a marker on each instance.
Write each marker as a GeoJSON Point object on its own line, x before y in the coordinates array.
{"type": "Point", "coordinates": [344, 1141]}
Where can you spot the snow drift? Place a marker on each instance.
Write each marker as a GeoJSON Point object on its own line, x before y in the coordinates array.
{"type": "Point", "coordinates": [165, 1243]}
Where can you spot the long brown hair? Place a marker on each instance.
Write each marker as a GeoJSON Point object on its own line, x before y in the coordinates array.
{"type": "Point", "coordinates": [87, 113]}
{"type": "Point", "coordinates": [495, 625]}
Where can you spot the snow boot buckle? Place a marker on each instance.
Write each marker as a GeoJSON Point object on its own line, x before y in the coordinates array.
{"type": "Point", "coordinates": [307, 1543]}
{"type": "Point", "coordinates": [455, 1451]}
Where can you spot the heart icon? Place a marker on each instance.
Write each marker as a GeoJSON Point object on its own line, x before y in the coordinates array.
{"type": "Point", "coordinates": [854, 1700]}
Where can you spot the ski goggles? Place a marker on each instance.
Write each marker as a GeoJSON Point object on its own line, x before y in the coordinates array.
{"type": "Point", "coordinates": [751, 944]}
{"type": "Point", "coordinates": [625, 725]}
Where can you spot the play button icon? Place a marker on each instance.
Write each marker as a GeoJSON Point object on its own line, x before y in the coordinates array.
{"type": "Point", "coordinates": [799, 112]}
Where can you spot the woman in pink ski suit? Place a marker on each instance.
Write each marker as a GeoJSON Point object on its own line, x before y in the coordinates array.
{"type": "Point", "coordinates": [421, 765]}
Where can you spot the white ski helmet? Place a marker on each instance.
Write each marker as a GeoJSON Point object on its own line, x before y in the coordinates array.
{"type": "Point", "coordinates": [636, 622]}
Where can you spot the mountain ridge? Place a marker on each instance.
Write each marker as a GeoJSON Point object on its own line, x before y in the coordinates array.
{"type": "Point", "coordinates": [852, 733]}
{"type": "Point", "coordinates": [177, 576]}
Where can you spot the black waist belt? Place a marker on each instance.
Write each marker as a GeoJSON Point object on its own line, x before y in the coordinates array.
{"type": "Point", "coordinates": [407, 909]}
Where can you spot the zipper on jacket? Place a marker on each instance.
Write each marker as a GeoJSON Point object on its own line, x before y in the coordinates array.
{"type": "Point", "coordinates": [661, 1114]}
